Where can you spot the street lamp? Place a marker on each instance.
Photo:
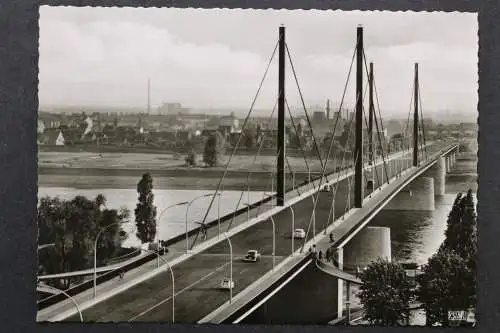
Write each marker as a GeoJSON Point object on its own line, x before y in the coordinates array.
{"type": "Point", "coordinates": [95, 252]}
{"type": "Point", "coordinates": [173, 282]}
{"type": "Point", "coordinates": [44, 246]}
{"type": "Point", "coordinates": [274, 229]}
{"type": "Point", "coordinates": [274, 241]}
{"type": "Point", "coordinates": [56, 291]}
{"type": "Point", "coordinates": [230, 268]}
{"type": "Point", "coordinates": [187, 211]}
{"type": "Point", "coordinates": [158, 227]}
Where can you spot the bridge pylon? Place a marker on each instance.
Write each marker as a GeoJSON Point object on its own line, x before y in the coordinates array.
{"type": "Point", "coordinates": [280, 172]}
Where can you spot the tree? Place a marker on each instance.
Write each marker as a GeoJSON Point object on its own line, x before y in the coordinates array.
{"type": "Point", "coordinates": [145, 212]}
{"type": "Point", "coordinates": [461, 232]}
{"type": "Point", "coordinates": [191, 158]}
{"type": "Point", "coordinates": [73, 225]}
{"type": "Point", "coordinates": [386, 293]}
{"type": "Point", "coordinates": [447, 283]}
{"type": "Point", "coordinates": [347, 138]}
{"type": "Point", "coordinates": [214, 148]}
{"type": "Point", "coordinates": [249, 138]}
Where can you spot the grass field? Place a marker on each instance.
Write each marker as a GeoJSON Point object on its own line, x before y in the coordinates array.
{"type": "Point", "coordinates": [162, 161]}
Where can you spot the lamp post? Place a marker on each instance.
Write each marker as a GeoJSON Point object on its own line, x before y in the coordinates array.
{"type": "Point", "coordinates": [293, 228]}
{"type": "Point", "coordinates": [187, 211]}
{"type": "Point", "coordinates": [95, 252]}
{"type": "Point", "coordinates": [230, 268]}
{"type": "Point", "coordinates": [218, 213]}
{"type": "Point", "coordinates": [44, 246]}
{"type": "Point", "coordinates": [274, 232]}
{"type": "Point", "coordinates": [173, 282]}
{"type": "Point", "coordinates": [274, 240]}
{"type": "Point", "coordinates": [56, 291]}
{"type": "Point", "coordinates": [158, 227]}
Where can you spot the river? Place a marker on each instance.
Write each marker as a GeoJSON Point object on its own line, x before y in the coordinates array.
{"type": "Point", "coordinates": [173, 220]}
{"type": "Point", "coordinates": [415, 235]}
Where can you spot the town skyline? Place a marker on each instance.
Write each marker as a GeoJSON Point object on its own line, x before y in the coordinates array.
{"type": "Point", "coordinates": [205, 65]}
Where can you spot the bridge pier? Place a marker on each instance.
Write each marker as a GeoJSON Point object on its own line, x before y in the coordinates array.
{"type": "Point", "coordinates": [418, 195]}
{"type": "Point", "coordinates": [368, 245]}
{"type": "Point", "coordinates": [438, 173]}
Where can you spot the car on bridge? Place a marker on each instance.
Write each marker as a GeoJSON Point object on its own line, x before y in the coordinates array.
{"type": "Point", "coordinates": [252, 256]}
{"type": "Point", "coordinates": [327, 188]}
{"type": "Point", "coordinates": [226, 284]}
{"type": "Point", "coordinates": [299, 233]}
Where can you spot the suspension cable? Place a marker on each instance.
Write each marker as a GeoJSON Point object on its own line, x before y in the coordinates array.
{"type": "Point", "coordinates": [237, 143]}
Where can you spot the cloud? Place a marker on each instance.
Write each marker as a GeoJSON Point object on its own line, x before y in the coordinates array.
{"type": "Point", "coordinates": [210, 58]}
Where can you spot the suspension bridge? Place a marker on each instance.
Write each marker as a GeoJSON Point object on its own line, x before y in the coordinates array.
{"type": "Point", "coordinates": [357, 180]}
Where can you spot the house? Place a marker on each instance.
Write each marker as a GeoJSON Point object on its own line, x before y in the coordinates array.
{"type": "Point", "coordinates": [40, 127]}
{"type": "Point", "coordinates": [229, 124]}
{"type": "Point", "coordinates": [53, 137]}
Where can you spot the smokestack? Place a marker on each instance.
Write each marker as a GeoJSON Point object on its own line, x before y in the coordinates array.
{"type": "Point", "coordinates": [149, 94]}
{"type": "Point", "coordinates": [328, 109]}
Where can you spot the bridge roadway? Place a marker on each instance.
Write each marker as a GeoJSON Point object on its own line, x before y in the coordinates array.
{"type": "Point", "coordinates": [342, 229]}
{"type": "Point", "coordinates": [198, 277]}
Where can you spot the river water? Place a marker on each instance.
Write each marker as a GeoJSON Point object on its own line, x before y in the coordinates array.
{"type": "Point", "coordinates": [415, 235]}
{"type": "Point", "coordinates": [172, 220]}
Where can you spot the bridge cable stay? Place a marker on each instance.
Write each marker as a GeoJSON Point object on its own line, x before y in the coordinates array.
{"type": "Point", "coordinates": [422, 122]}
{"type": "Point", "coordinates": [298, 139]}
{"type": "Point", "coordinates": [351, 143]}
{"type": "Point", "coordinates": [305, 109]}
{"type": "Point", "coordinates": [376, 123]}
{"type": "Point", "coordinates": [269, 183]}
{"type": "Point", "coordinates": [379, 114]}
{"type": "Point", "coordinates": [374, 167]}
{"type": "Point", "coordinates": [339, 171]}
{"type": "Point", "coordinates": [406, 132]}
{"type": "Point", "coordinates": [261, 144]}
{"type": "Point", "coordinates": [331, 144]}
{"type": "Point", "coordinates": [348, 180]}
{"type": "Point", "coordinates": [237, 143]}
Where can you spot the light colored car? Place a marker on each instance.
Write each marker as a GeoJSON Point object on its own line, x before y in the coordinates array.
{"type": "Point", "coordinates": [326, 188]}
{"type": "Point", "coordinates": [227, 283]}
{"type": "Point", "coordinates": [252, 256]}
{"type": "Point", "coordinates": [299, 233]}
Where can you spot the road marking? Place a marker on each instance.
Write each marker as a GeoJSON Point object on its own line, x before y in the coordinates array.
{"type": "Point", "coordinates": [179, 292]}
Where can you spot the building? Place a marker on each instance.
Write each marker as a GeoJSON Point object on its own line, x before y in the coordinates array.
{"type": "Point", "coordinates": [172, 108]}
{"type": "Point", "coordinates": [318, 117]}
{"type": "Point", "coordinates": [53, 137]}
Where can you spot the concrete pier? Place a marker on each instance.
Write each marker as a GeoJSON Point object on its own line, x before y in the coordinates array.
{"type": "Point", "coordinates": [370, 244]}
{"type": "Point", "coordinates": [419, 195]}
{"type": "Point", "coordinates": [438, 173]}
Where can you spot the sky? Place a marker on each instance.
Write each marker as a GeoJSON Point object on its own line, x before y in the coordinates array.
{"type": "Point", "coordinates": [216, 58]}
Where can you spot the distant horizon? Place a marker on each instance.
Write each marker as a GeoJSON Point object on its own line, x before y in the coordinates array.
{"type": "Point", "coordinates": [241, 112]}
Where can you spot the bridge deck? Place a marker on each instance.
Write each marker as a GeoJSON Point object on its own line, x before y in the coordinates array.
{"type": "Point", "coordinates": [198, 277]}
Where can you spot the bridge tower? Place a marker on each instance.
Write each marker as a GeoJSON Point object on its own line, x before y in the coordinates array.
{"type": "Point", "coordinates": [415, 119]}
{"type": "Point", "coordinates": [280, 173]}
{"type": "Point", "coordinates": [358, 154]}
